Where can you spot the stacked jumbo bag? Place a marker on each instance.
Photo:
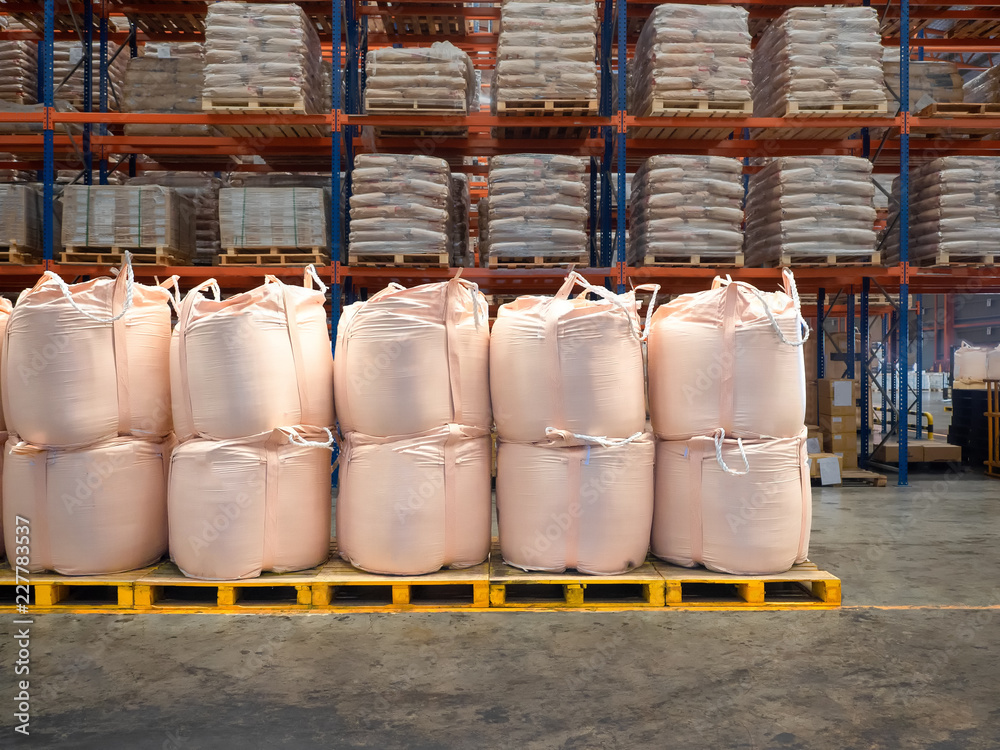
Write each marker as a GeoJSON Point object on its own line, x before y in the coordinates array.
{"type": "Point", "coordinates": [546, 52]}
{"type": "Point", "coordinates": [413, 400]}
{"type": "Point", "coordinates": [400, 204]}
{"type": "Point", "coordinates": [691, 53]}
{"type": "Point", "coordinates": [251, 379]}
{"type": "Point", "coordinates": [86, 399]}
{"type": "Point", "coordinates": [810, 205]}
{"type": "Point", "coordinates": [575, 462]}
{"type": "Point", "coordinates": [811, 58]}
{"type": "Point", "coordinates": [727, 402]}
{"type": "Point", "coordinates": [687, 205]}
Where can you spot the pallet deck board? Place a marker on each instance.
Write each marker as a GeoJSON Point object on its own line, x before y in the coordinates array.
{"type": "Point", "coordinates": [699, 587]}
{"type": "Point", "coordinates": [832, 259]}
{"type": "Point", "coordinates": [12, 255]}
{"type": "Point", "coordinates": [161, 255]}
{"type": "Point", "coordinates": [538, 261]}
{"type": "Point", "coordinates": [957, 259]}
{"type": "Point", "coordinates": [862, 477]}
{"type": "Point", "coordinates": [399, 260]}
{"type": "Point", "coordinates": [271, 256]}
{"type": "Point", "coordinates": [714, 261]}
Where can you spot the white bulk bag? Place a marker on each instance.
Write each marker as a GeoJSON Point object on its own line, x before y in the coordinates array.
{"type": "Point", "coordinates": [91, 511]}
{"type": "Point", "coordinates": [13, 550]}
{"type": "Point", "coordinates": [5, 308]}
{"type": "Point", "coordinates": [414, 505]}
{"type": "Point", "coordinates": [970, 363]}
{"type": "Point", "coordinates": [993, 364]}
{"type": "Point", "coordinates": [568, 364]}
{"type": "Point", "coordinates": [252, 363]}
{"type": "Point", "coordinates": [87, 362]}
{"type": "Point", "coordinates": [587, 507]}
{"type": "Point", "coordinates": [412, 360]}
{"type": "Point", "coordinates": [240, 507]}
{"type": "Point", "coordinates": [734, 506]}
{"type": "Point", "coordinates": [730, 357]}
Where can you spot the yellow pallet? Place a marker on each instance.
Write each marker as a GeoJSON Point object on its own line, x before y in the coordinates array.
{"type": "Point", "coordinates": [804, 585]}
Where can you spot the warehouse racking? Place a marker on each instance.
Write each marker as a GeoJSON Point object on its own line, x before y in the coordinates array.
{"type": "Point", "coordinates": [297, 142]}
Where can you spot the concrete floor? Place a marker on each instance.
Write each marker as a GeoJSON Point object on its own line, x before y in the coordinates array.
{"type": "Point", "coordinates": [925, 674]}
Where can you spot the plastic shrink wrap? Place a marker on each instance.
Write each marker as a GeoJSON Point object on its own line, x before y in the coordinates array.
{"type": "Point", "coordinates": [538, 206]}
{"type": "Point", "coordinates": [811, 58]}
{"type": "Point", "coordinates": [691, 53]}
{"type": "Point", "coordinates": [104, 506]}
{"type": "Point", "coordinates": [148, 219]}
{"type": "Point", "coordinates": [400, 204]}
{"type": "Point", "coordinates": [568, 364]}
{"type": "Point", "coordinates": [66, 55]}
{"type": "Point", "coordinates": [166, 80]}
{"type": "Point", "coordinates": [412, 360]}
{"type": "Point", "coordinates": [432, 80]}
{"type": "Point", "coordinates": [730, 357]}
{"type": "Point", "coordinates": [87, 362]}
{"type": "Point", "coordinates": [458, 221]}
{"type": "Point", "coordinates": [286, 217]}
{"type": "Point", "coordinates": [985, 87]}
{"type": "Point", "coordinates": [264, 53]}
{"type": "Point", "coordinates": [735, 506]}
{"type": "Point", "coordinates": [587, 508]}
{"type": "Point", "coordinates": [810, 206]}
{"type": "Point", "coordinates": [251, 363]}
{"type": "Point", "coordinates": [202, 189]}
{"type": "Point", "coordinates": [931, 82]}
{"type": "Point", "coordinates": [971, 363]}
{"type": "Point", "coordinates": [21, 219]}
{"type": "Point", "coordinates": [19, 61]}
{"type": "Point", "coordinates": [416, 504]}
{"type": "Point", "coordinates": [993, 364]}
{"type": "Point", "coordinates": [546, 52]}
{"type": "Point", "coordinates": [240, 507]}
{"type": "Point", "coordinates": [686, 205]}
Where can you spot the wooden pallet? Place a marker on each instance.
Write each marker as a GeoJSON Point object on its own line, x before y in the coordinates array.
{"type": "Point", "coordinates": [804, 586]}
{"type": "Point", "coordinates": [514, 588]}
{"type": "Point", "coordinates": [716, 110]}
{"type": "Point", "coordinates": [539, 261]}
{"type": "Point", "coordinates": [255, 104]}
{"type": "Point", "coordinates": [803, 123]}
{"type": "Point", "coordinates": [714, 261]}
{"type": "Point", "coordinates": [423, 25]}
{"type": "Point", "coordinates": [833, 259]}
{"type": "Point", "coordinates": [278, 108]}
{"type": "Point", "coordinates": [414, 107]}
{"type": "Point", "coordinates": [160, 256]}
{"type": "Point", "coordinates": [861, 477]}
{"type": "Point", "coordinates": [52, 592]}
{"type": "Point", "coordinates": [957, 259]}
{"type": "Point", "coordinates": [546, 109]}
{"type": "Point", "coordinates": [836, 109]}
{"type": "Point", "coordinates": [963, 109]}
{"type": "Point", "coordinates": [273, 256]}
{"type": "Point", "coordinates": [11, 255]}
{"type": "Point", "coordinates": [399, 260]}
{"type": "Point", "coordinates": [165, 587]}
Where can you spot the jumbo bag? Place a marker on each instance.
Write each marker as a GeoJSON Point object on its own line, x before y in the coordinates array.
{"type": "Point", "coordinates": [90, 511]}
{"type": "Point", "coordinates": [734, 506]}
{"type": "Point", "coordinates": [730, 357]}
{"type": "Point", "coordinates": [413, 360]}
{"type": "Point", "coordinates": [240, 507]}
{"type": "Point", "coordinates": [568, 364]}
{"type": "Point", "coordinates": [971, 363]}
{"type": "Point", "coordinates": [253, 362]}
{"type": "Point", "coordinates": [84, 363]}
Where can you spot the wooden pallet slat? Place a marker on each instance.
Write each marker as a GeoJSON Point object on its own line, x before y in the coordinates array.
{"type": "Point", "coordinates": [399, 260]}
{"type": "Point", "coordinates": [166, 587]}
{"type": "Point", "coordinates": [861, 477]}
{"type": "Point", "coordinates": [831, 259]}
{"type": "Point", "coordinates": [282, 257]}
{"type": "Point", "coordinates": [12, 255]}
{"type": "Point", "coordinates": [957, 259]}
{"type": "Point", "coordinates": [694, 260]}
{"type": "Point", "coordinates": [553, 260]}
{"type": "Point", "coordinates": [160, 255]}
{"type": "Point", "coordinates": [805, 585]}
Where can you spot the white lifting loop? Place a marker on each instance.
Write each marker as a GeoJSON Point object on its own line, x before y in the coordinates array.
{"type": "Point", "coordinates": [129, 293]}
{"type": "Point", "coordinates": [604, 442]}
{"type": "Point", "coordinates": [295, 437]}
{"type": "Point", "coordinates": [720, 435]}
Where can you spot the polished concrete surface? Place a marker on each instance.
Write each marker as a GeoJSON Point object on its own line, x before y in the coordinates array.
{"type": "Point", "coordinates": [891, 670]}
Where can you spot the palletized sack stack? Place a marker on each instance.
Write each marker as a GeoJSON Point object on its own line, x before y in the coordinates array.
{"type": "Point", "coordinates": [19, 61]}
{"type": "Point", "coordinates": [575, 462]}
{"type": "Point", "coordinates": [413, 400]}
{"type": "Point", "coordinates": [400, 206]}
{"type": "Point", "coordinates": [812, 58]}
{"type": "Point", "coordinates": [202, 189]}
{"type": "Point", "coordinates": [262, 218]}
{"type": "Point", "coordinates": [546, 52]}
{"type": "Point", "coordinates": [21, 221]}
{"type": "Point", "coordinates": [65, 56]}
{"type": "Point", "coordinates": [266, 54]}
{"type": "Point", "coordinates": [954, 209]}
{"type": "Point", "coordinates": [166, 79]}
{"type": "Point", "coordinates": [146, 219]}
{"type": "Point", "coordinates": [686, 205]}
{"type": "Point", "coordinates": [800, 207]}
{"type": "Point", "coordinates": [458, 218]}
{"type": "Point", "coordinates": [931, 82]}
{"type": "Point", "coordinates": [86, 400]}
{"type": "Point", "coordinates": [727, 402]}
{"type": "Point", "coordinates": [436, 78]}
{"type": "Point", "coordinates": [537, 208]}
{"type": "Point", "coordinates": [251, 379]}
{"type": "Point", "coordinates": [691, 53]}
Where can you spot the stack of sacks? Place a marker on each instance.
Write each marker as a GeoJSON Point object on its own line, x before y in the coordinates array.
{"type": "Point", "coordinates": [167, 79]}
{"type": "Point", "coordinates": [458, 209]}
{"type": "Point", "coordinates": [931, 81]}
{"type": "Point", "coordinates": [538, 207]}
{"type": "Point", "coordinates": [810, 205]}
{"type": "Point", "coordinates": [575, 463]}
{"type": "Point", "coordinates": [400, 205]}
{"type": "Point", "coordinates": [811, 58]}
{"type": "Point", "coordinates": [65, 56]}
{"type": "Point", "coordinates": [413, 399]}
{"type": "Point", "coordinates": [985, 87]}
{"type": "Point", "coordinates": [86, 397]}
{"type": "Point", "coordinates": [439, 77]}
{"type": "Point", "coordinates": [202, 189]}
{"type": "Point", "coordinates": [265, 53]}
{"type": "Point", "coordinates": [687, 205]}
{"type": "Point", "coordinates": [148, 218]}
{"type": "Point", "coordinates": [483, 229]}
{"type": "Point", "coordinates": [19, 61]}
{"type": "Point", "coordinates": [14, 175]}
{"type": "Point", "coordinates": [691, 53]}
{"type": "Point", "coordinates": [953, 208]}
{"type": "Point", "coordinates": [727, 402]}
{"type": "Point", "coordinates": [21, 212]}
{"type": "Point", "coordinates": [274, 217]}
{"type": "Point", "coordinates": [251, 379]}
{"type": "Point", "coordinates": [546, 52]}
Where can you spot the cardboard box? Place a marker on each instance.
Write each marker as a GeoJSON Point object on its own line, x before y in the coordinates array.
{"type": "Point", "coordinates": [826, 467]}
{"type": "Point", "coordinates": [939, 450]}
{"type": "Point", "coordinates": [848, 459]}
{"type": "Point", "coordinates": [836, 397]}
{"type": "Point", "coordinates": [889, 453]}
{"type": "Point", "coordinates": [838, 442]}
{"type": "Point", "coordinates": [813, 431]}
{"type": "Point", "coordinates": [839, 423]}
